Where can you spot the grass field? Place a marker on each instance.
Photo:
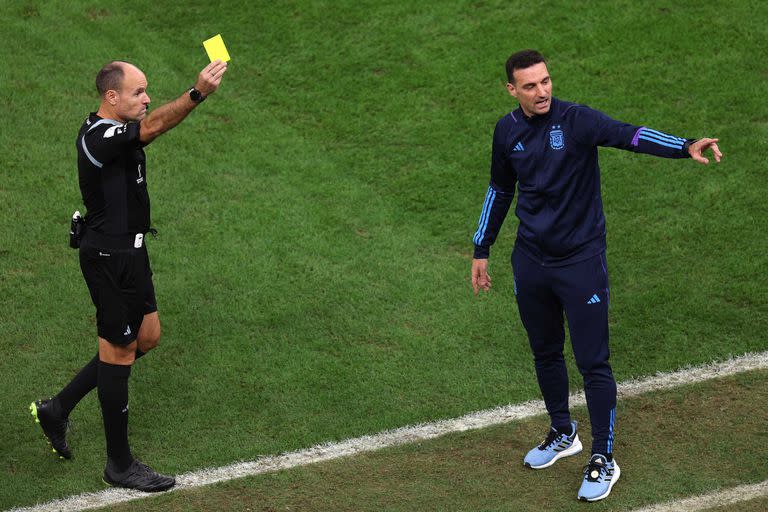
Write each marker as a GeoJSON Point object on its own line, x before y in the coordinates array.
{"type": "Point", "coordinates": [482, 470]}
{"type": "Point", "coordinates": [316, 215]}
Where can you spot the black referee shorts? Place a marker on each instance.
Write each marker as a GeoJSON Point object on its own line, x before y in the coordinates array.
{"type": "Point", "coordinates": [120, 283]}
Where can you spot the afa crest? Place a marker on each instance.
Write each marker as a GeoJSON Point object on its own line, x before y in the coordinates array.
{"type": "Point", "coordinates": [556, 138]}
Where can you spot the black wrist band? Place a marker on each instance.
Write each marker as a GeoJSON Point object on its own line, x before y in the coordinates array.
{"type": "Point", "coordinates": [686, 145]}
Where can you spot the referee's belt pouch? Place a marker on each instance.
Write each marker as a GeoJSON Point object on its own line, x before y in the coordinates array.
{"type": "Point", "coordinates": [76, 230]}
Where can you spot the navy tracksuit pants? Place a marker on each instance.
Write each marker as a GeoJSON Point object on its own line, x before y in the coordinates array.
{"type": "Point", "coordinates": [581, 292]}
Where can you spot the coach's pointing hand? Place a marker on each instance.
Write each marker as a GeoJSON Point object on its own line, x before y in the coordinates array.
{"type": "Point", "coordinates": [210, 77]}
{"type": "Point", "coordinates": [480, 277]}
{"type": "Point", "coordinates": [697, 149]}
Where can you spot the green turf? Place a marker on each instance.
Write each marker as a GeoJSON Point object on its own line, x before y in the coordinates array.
{"type": "Point", "coordinates": [316, 214]}
{"type": "Point", "coordinates": [756, 505]}
{"type": "Point", "coordinates": [661, 459]}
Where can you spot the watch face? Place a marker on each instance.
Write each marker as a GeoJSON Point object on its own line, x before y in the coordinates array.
{"type": "Point", "coordinates": [195, 95]}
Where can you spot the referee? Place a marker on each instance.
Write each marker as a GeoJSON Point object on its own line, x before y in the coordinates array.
{"type": "Point", "coordinates": [114, 261]}
{"type": "Point", "coordinates": [547, 148]}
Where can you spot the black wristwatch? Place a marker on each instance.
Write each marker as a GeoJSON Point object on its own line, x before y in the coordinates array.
{"type": "Point", "coordinates": [196, 95]}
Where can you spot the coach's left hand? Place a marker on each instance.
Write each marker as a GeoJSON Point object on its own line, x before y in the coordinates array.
{"type": "Point", "coordinates": [697, 149]}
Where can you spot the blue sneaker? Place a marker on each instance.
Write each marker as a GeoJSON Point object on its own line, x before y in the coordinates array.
{"type": "Point", "coordinates": [599, 478]}
{"type": "Point", "coordinates": [555, 446]}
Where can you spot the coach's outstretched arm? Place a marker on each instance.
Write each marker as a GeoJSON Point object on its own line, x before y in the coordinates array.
{"type": "Point", "coordinates": [598, 129]}
{"type": "Point", "coordinates": [172, 113]}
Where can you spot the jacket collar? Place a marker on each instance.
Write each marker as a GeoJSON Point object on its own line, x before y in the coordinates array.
{"type": "Point", "coordinates": [535, 120]}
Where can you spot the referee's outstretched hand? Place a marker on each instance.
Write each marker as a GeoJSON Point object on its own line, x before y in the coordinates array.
{"type": "Point", "coordinates": [697, 149]}
{"type": "Point", "coordinates": [480, 277]}
{"type": "Point", "coordinates": [210, 77]}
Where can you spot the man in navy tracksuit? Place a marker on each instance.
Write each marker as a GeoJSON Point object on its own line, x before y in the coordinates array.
{"type": "Point", "coordinates": [548, 148]}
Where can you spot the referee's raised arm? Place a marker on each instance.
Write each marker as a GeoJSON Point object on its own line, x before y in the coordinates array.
{"type": "Point", "coordinates": [172, 113]}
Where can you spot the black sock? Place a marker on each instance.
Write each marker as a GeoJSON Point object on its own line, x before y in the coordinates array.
{"type": "Point", "coordinates": [113, 395]}
{"type": "Point", "coordinates": [567, 430]}
{"type": "Point", "coordinates": [139, 353]}
{"type": "Point", "coordinates": [78, 387]}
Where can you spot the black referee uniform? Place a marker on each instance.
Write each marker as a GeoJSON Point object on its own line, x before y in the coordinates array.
{"type": "Point", "coordinates": [114, 261]}
{"type": "Point", "coordinates": [112, 169]}
{"type": "Point", "coordinates": [113, 258]}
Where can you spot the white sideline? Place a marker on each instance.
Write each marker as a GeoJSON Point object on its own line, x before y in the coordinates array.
{"type": "Point", "coordinates": [711, 500]}
{"type": "Point", "coordinates": [404, 435]}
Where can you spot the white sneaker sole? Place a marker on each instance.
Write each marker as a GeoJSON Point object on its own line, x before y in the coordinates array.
{"type": "Point", "coordinates": [616, 475]}
{"type": "Point", "coordinates": [575, 448]}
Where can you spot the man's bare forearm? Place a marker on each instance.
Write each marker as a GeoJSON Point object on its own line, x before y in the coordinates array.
{"type": "Point", "coordinates": [165, 118]}
{"type": "Point", "coordinates": [174, 112]}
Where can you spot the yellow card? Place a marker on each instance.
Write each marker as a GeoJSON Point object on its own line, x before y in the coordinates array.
{"type": "Point", "coordinates": [216, 49]}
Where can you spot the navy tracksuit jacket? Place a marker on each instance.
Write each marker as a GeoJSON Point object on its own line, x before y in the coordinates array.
{"type": "Point", "coordinates": [559, 260]}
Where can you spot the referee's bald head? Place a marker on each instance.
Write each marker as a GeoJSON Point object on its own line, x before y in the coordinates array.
{"type": "Point", "coordinates": [110, 77]}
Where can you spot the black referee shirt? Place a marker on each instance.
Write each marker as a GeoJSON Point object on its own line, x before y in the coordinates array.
{"type": "Point", "coordinates": [113, 176]}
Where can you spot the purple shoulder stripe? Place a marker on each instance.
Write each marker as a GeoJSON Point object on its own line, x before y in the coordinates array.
{"type": "Point", "coordinates": [635, 139]}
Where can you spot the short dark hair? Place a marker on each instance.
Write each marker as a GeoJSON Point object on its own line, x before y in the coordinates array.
{"type": "Point", "coordinates": [110, 77]}
{"type": "Point", "coordinates": [521, 60]}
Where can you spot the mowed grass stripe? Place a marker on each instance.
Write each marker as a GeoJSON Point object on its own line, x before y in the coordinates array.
{"type": "Point", "coordinates": [754, 505]}
{"type": "Point", "coordinates": [719, 500]}
{"type": "Point", "coordinates": [406, 435]}
{"type": "Point", "coordinates": [691, 440]}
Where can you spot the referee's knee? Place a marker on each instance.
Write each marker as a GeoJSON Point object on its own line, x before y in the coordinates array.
{"type": "Point", "coordinates": [147, 343]}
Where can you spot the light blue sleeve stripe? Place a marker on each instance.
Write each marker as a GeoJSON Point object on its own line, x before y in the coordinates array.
{"type": "Point", "coordinates": [487, 217]}
{"type": "Point", "coordinates": [652, 136]}
{"type": "Point", "coordinates": [661, 138]}
{"type": "Point", "coordinates": [89, 155]}
{"type": "Point", "coordinates": [484, 216]}
{"type": "Point", "coordinates": [661, 143]}
{"type": "Point", "coordinates": [664, 135]}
